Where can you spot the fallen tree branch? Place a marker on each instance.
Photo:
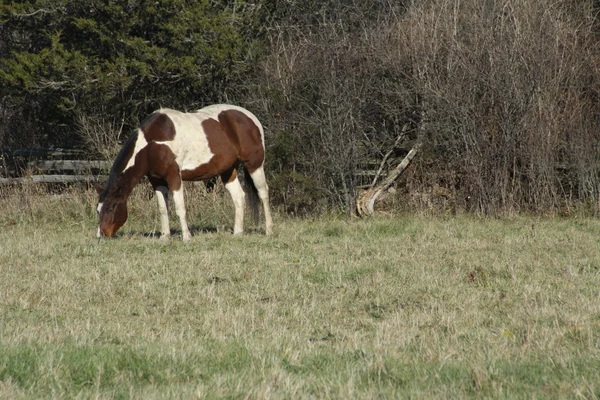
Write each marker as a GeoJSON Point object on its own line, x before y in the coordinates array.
{"type": "Point", "coordinates": [389, 153]}
{"type": "Point", "coordinates": [365, 204]}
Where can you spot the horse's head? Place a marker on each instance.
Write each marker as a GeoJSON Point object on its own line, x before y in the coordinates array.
{"type": "Point", "coordinates": [112, 212]}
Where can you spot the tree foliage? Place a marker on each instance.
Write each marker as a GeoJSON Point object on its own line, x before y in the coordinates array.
{"type": "Point", "coordinates": [118, 59]}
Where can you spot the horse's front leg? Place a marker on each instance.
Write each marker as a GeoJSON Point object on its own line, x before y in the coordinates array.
{"type": "Point", "coordinates": [162, 197]}
{"type": "Point", "coordinates": [180, 210]}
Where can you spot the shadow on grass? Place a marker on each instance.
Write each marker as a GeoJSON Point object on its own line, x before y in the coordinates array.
{"type": "Point", "coordinates": [194, 230]}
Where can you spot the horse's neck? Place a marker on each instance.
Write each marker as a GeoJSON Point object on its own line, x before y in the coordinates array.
{"type": "Point", "coordinates": [129, 179]}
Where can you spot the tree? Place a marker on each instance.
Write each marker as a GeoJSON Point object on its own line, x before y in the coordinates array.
{"type": "Point", "coordinates": [117, 61]}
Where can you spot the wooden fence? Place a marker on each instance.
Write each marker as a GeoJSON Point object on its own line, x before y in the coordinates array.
{"type": "Point", "coordinates": [51, 166]}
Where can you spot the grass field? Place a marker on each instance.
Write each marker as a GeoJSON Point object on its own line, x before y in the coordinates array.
{"type": "Point", "coordinates": [401, 306]}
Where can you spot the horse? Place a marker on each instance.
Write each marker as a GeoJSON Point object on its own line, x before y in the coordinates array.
{"type": "Point", "coordinates": [170, 147]}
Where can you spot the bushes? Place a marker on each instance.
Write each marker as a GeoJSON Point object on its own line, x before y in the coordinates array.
{"type": "Point", "coordinates": [503, 94]}
{"type": "Point", "coordinates": [512, 99]}
{"type": "Point", "coordinates": [330, 90]}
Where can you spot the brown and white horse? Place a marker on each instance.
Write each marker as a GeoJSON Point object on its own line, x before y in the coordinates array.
{"type": "Point", "coordinates": [172, 146]}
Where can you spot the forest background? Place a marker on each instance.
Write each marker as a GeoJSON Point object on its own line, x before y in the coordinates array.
{"type": "Point", "coordinates": [499, 97]}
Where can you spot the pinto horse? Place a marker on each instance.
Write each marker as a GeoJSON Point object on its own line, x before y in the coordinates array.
{"type": "Point", "coordinates": [172, 146]}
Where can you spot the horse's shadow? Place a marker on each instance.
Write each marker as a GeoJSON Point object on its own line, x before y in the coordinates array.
{"type": "Point", "coordinates": [195, 230]}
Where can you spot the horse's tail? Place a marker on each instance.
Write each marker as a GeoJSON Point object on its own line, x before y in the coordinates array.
{"type": "Point", "coordinates": [252, 192]}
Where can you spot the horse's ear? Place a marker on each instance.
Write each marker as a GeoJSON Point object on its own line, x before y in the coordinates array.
{"type": "Point", "coordinates": [99, 188]}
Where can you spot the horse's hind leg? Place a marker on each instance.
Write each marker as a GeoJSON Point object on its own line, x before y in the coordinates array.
{"type": "Point", "coordinates": [233, 186]}
{"type": "Point", "coordinates": [260, 182]}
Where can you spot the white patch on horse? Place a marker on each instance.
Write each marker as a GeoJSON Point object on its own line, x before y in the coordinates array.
{"type": "Point", "coordinates": [190, 145]}
{"type": "Point", "coordinates": [190, 148]}
{"type": "Point", "coordinates": [98, 209]}
{"type": "Point", "coordinates": [140, 143]}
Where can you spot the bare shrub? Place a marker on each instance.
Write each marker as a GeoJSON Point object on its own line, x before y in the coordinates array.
{"type": "Point", "coordinates": [333, 100]}
{"type": "Point", "coordinates": [510, 88]}
{"type": "Point", "coordinates": [100, 135]}
{"type": "Point", "coordinates": [503, 94]}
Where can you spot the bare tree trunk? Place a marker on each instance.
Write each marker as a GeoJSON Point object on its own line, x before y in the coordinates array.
{"type": "Point", "coordinates": [400, 137]}
{"type": "Point", "coordinates": [365, 203]}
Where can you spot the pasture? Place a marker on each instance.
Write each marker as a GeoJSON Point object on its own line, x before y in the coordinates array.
{"type": "Point", "coordinates": [398, 306]}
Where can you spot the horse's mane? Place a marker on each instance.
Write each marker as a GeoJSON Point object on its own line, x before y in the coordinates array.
{"type": "Point", "coordinates": [119, 164]}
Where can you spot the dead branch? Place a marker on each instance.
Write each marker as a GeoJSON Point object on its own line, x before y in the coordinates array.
{"type": "Point", "coordinates": [365, 204]}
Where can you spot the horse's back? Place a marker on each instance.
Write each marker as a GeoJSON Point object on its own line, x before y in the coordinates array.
{"type": "Point", "coordinates": [211, 137]}
{"type": "Point", "coordinates": [215, 110]}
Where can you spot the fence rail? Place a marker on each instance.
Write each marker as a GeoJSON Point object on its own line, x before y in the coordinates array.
{"type": "Point", "coordinates": [50, 166]}
{"type": "Point", "coordinates": [53, 179]}
{"type": "Point", "coordinates": [68, 165]}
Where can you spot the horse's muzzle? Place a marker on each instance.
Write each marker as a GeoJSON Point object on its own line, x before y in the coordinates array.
{"type": "Point", "coordinates": [104, 233]}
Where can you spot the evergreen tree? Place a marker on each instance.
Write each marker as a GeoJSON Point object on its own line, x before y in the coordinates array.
{"type": "Point", "coordinates": [61, 59]}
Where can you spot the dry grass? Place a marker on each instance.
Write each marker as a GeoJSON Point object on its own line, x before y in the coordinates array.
{"type": "Point", "coordinates": [401, 306]}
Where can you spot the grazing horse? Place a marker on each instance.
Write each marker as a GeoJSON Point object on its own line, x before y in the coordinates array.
{"type": "Point", "coordinates": [172, 146]}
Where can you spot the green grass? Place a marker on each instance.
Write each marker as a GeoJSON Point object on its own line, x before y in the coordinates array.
{"type": "Point", "coordinates": [404, 306]}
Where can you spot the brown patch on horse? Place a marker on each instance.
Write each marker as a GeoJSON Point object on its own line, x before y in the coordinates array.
{"type": "Point", "coordinates": [160, 164]}
{"type": "Point", "coordinates": [113, 217]}
{"type": "Point", "coordinates": [243, 132]}
{"type": "Point", "coordinates": [158, 127]}
{"type": "Point", "coordinates": [225, 153]}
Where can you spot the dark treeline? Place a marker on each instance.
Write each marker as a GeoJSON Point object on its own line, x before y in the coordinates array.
{"type": "Point", "coordinates": [500, 95]}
